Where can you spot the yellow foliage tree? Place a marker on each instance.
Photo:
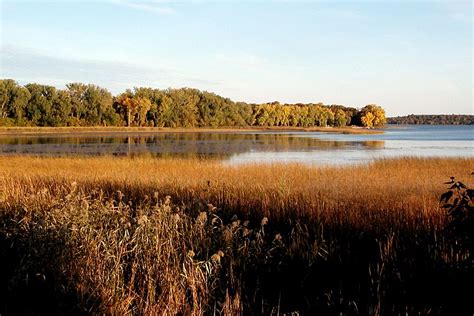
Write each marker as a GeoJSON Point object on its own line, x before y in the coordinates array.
{"type": "Point", "coordinates": [368, 119]}
{"type": "Point", "coordinates": [130, 106]}
{"type": "Point", "coordinates": [143, 106]}
{"type": "Point", "coordinates": [373, 116]}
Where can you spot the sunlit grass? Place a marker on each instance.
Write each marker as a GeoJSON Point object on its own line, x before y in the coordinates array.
{"type": "Point", "coordinates": [233, 239]}
{"type": "Point", "coordinates": [101, 130]}
{"type": "Point", "coordinates": [404, 184]}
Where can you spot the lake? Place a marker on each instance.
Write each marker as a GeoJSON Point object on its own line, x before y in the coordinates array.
{"type": "Point", "coordinates": [256, 146]}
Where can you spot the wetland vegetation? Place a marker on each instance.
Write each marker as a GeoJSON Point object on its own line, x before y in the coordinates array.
{"type": "Point", "coordinates": [109, 235]}
{"type": "Point", "coordinates": [195, 158]}
{"type": "Point", "coordinates": [137, 205]}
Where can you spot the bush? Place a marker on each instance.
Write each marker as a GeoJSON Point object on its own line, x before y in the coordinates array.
{"type": "Point", "coordinates": [459, 202]}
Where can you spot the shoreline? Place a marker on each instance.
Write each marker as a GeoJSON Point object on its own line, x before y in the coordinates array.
{"type": "Point", "coordinates": [26, 131]}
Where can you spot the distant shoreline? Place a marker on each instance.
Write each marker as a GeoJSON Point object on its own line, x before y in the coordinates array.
{"type": "Point", "coordinates": [432, 119]}
{"type": "Point", "coordinates": [18, 131]}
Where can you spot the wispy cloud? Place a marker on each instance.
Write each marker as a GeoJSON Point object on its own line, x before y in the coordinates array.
{"type": "Point", "coordinates": [460, 11]}
{"type": "Point", "coordinates": [27, 65]}
{"type": "Point", "coordinates": [462, 17]}
{"type": "Point", "coordinates": [242, 60]}
{"type": "Point", "coordinates": [156, 7]}
{"type": "Point", "coordinates": [455, 10]}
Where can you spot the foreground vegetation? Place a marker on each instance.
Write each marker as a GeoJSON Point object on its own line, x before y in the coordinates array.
{"type": "Point", "coordinates": [147, 236]}
{"type": "Point", "coordinates": [89, 105]}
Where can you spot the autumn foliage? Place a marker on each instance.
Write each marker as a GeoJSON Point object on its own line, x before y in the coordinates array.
{"type": "Point", "coordinates": [90, 105]}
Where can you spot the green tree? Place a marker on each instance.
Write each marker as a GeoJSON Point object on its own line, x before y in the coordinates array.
{"type": "Point", "coordinates": [98, 104]}
{"type": "Point", "coordinates": [40, 105]}
{"type": "Point", "coordinates": [340, 118]}
{"type": "Point", "coordinates": [77, 92]}
{"type": "Point", "coordinates": [61, 109]}
{"type": "Point", "coordinates": [167, 117]}
{"type": "Point", "coordinates": [85, 105]}
{"type": "Point", "coordinates": [13, 101]}
{"type": "Point", "coordinates": [245, 112]}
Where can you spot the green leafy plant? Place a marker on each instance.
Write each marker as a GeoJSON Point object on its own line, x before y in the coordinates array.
{"type": "Point", "coordinates": [459, 202]}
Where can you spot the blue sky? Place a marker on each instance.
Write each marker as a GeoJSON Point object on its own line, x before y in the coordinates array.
{"type": "Point", "coordinates": [407, 56]}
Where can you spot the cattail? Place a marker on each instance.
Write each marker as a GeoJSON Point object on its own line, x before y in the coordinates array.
{"type": "Point", "coordinates": [142, 220]}
{"type": "Point", "coordinates": [211, 208]}
{"type": "Point", "coordinates": [216, 258]}
{"type": "Point", "coordinates": [85, 205]}
{"type": "Point", "coordinates": [175, 217]}
{"type": "Point", "coordinates": [235, 224]}
{"type": "Point", "coordinates": [202, 218]}
{"type": "Point", "coordinates": [120, 195]}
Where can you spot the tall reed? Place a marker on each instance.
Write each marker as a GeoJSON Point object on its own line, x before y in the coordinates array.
{"type": "Point", "coordinates": [143, 236]}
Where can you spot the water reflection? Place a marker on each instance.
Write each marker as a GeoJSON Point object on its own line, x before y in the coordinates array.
{"type": "Point", "coordinates": [261, 146]}
{"type": "Point", "coordinates": [174, 144]}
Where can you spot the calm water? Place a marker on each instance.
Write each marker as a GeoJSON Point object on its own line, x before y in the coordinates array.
{"type": "Point", "coordinates": [248, 147]}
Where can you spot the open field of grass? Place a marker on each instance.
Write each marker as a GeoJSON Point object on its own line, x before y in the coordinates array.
{"type": "Point", "coordinates": [137, 130]}
{"type": "Point", "coordinates": [162, 236]}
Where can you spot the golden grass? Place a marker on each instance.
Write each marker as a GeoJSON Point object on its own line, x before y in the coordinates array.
{"type": "Point", "coordinates": [114, 130]}
{"type": "Point", "coordinates": [343, 238]}
{"type": "Point", "coordinates": [405, 184]}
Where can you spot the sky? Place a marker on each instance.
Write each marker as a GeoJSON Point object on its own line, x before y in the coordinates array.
{"type": "Point", "coordinates": [407, 56]}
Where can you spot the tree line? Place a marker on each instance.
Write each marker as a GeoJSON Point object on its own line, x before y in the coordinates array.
{"type": "Point", "coordinates": [89, 105]}
{"type": "Point", "coordinates": [433, 119]}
